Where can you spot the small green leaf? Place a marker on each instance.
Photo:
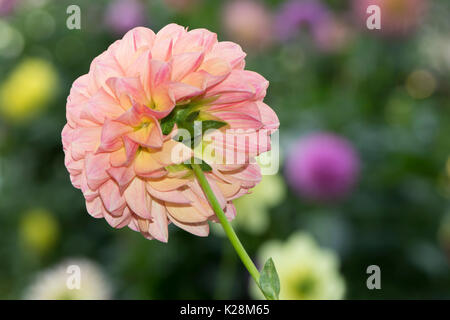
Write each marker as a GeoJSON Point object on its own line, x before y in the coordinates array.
{"type": "Point", "coordinates": [212, 124]}
{"type": "Point", "coordinates": [167, 125]}
{"type": "Point", "coordinates": [203, 165]}
{"type": "Point", "coordinates": [192, 116]}
{"type": "Point", "coordinates": [269, 281]}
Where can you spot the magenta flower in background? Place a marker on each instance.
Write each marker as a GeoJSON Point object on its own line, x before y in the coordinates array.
{"type": "Point", "coordinates": [7, 6]}
{"type": "Point", "coordinates": [123, 15]}
{"type": "Point", "coordinates": [322, 167]}
{"type": "Point", "coordinates": [296, 13]}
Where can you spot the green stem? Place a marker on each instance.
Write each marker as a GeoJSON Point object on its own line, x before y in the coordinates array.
{"type": "Point", "coordinates": [240, 250]}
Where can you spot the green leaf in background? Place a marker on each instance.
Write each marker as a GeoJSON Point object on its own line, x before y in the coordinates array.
{"type": "Point", "coordinates": [269, 281]}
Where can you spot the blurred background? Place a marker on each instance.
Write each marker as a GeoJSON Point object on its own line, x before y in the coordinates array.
{"type": "Point", "coordinates": [364, 136]}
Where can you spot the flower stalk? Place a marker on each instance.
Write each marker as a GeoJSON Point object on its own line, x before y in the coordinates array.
{"type": "Point", "coordinates": [229, 231]}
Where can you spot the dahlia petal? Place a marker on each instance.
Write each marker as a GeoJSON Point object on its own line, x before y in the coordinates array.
{"type": "Point", "coordinates": [84, 140]}
{"type": "Point", "coordinates": [95, 207]}
{"type": "Point", "coordinates": [118, 158]}
{"type": "Point", "coordinates": [162, 50]}
{"type": "Point", "coordinates": [171, 31]}
{"type": "Point", "coordinates": [133, 42]}
{"type": "Point", "coordinates": [120, 221]}
{"type": "Point", "coordinates": [268, 116]}
{"type": "Point", "coordinates": [185, 214]}
{"type": "Point", "coordinates": [102, 68]}
{"type": "Point", "coordinates": [131, 148]}
{"type": "Point", "coordinates": [137, 199]}
{"type": "Point", "coordinates": [238, 120]}
{"type": "Point", "coordinates": [228, 189]}
{"type": "Point", "coordinates": [127, 91]}
{"type": "Point", "coordinates": [182, 91]}
{"type": "Point", "coordinates": [173, 152]}
{"type": "Point", "coordinates": [122, 176]}
{"type": "Point", "coordinates": [87, 192]}
{"type": "Point", "coordinates": [230, 211]}
{"type": "Point", "coordinates": [233, 89]}
{"type": "Point", "coordinates": [257, 81]}
{"type": "Point", "coordinates": [111, 135]}
{"type": "Point", "coordinates": [185, 63]}
{"type": "Point", "coordinates": [173, 196]}
{"type": "Point", "coordinates": [154, 174]}
{"type": "Point", "coordinates": [195, 40]}
{"type": "Point", "coordinates": [158, 228]}
{"type": "Point", "coordinates": [162, 98]}
{"type": "Point", "coordinates": [167, 184]}
{"type": "Point", "coordinates": [198, 229]}
{"type": "Point", "coordinates": [216, 67]}
{"type": "Point", "coordinates": [113, 201]}
{"type": "Point", "coordinates": [142, 226]}
{"type": "Point", "coordinates": [230, 52]}
{"type": "Point", "coordinates": [146, 163]}
{"type": "Point", "coordinates": [96, 166]}
{"type": "Point", "coordinates": [149, 136]}
{"type": "Point", "coordinates": [198, 201]}
{"type": "Point", "coordinates": [101, 106]}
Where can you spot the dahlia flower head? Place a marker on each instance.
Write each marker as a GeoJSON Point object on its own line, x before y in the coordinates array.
{"type": "Point", "coordinates": [124, 118]}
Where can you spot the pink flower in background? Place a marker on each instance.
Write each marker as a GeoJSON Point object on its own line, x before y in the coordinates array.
{"type": "Point", "coordinates": [322, 167]}
{"type": "Point", "coordinates": [123, 115]}
{"type": "Point", "coordinates": [7, 6]}
{"type": "Point", "coordinates": [329, 33]}
{"type": "Point", "coordinates": [123, 15]}
{"type": "Point", "coordinates": [248, 22]}
{"type": "Point", "coordinates": [398, 17]}
{"type": "Point", "coordinates": [332, 35]}
{"type": "Point", "coordinates": [296, 14]}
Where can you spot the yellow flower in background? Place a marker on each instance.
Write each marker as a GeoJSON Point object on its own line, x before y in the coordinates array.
{"type": "Point", "coordinates": [74, 279]}
{"type": "Point", "coordinates": [254, 208]}
{"type": "Point", "coordinates": [39, 230]}
{"type": "Point", "coordinates": [27, 90]}
{"type": "Point", "coordinates": [306, 271]}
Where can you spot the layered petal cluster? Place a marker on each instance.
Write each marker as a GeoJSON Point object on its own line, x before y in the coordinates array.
{"type": "Point", "coordinates": [123, 117]}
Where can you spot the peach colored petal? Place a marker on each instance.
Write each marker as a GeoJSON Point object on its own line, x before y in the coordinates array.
{"type": "Point", "coordinates": [158, 227]}
{"type": "Point", "coordinates": [138, 199]}
{"type": "Point", "coordinates": [122, 176]}
{"type": "Point", "coordinates": [173, 196]}
{"type": "Point", "coordinates": [185, 63]}
{"type": "Point", "coordinates": [145, 163]}
{"type": "Point", "coordinates": [198, 229]}
{"type": "Point", "coordinates": [167, 184]}
{"type": "Point", "coordinates": [95, 207]}
{"type": "Point", "coordinates": [96, 167]}
{"type": "Point", "coordinates": [113, 201]}
{"type": "Point", "coordinates": [185, 214]}
{"type": "Point", "coordinates": [120, 221]}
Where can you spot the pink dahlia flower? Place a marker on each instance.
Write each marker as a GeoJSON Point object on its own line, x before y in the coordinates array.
{"type": "Point", "coordinates": [123, 119]}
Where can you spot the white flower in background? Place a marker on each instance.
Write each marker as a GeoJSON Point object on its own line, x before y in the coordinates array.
{"type": "Point", "coordinates": [74, 279]}
{"type": "Point", "coordinates": [254, 208]}
{"type": "Point", "coordinates": [306, 271]}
